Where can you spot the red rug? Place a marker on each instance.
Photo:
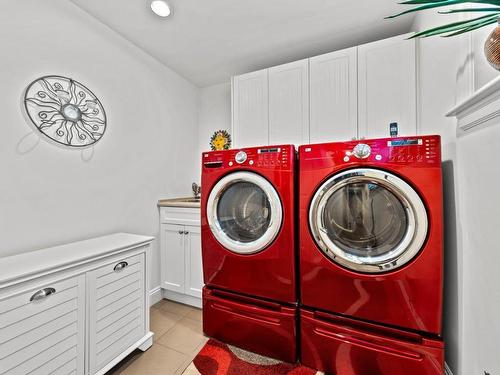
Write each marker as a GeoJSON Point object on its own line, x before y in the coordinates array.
{"type": "Point", "coordinates": [217, 358]}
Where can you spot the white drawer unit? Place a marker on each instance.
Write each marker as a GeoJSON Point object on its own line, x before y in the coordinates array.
{"type": "Point", "coordinates": [116, 308]}
{"type": "Point", "coordinates": [42, 330]}
{"type": "Point", "coordinates": [181, 265]}
{"type": "Point", "coordinates": [76, 309]}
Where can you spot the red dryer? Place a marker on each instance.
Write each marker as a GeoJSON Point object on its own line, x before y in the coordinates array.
{"type": "Point", "coordinates": [371, 256]}
{"type": "Point", "coordinates": [248, 249]}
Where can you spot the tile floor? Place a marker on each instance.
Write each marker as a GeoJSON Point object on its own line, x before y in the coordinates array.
{"type": "Point", "coordinates": [178, 338]}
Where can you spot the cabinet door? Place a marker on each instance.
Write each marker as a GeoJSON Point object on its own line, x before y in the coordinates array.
{"type": "Point", "coordinates": [173, 259]}
{"type": "Point", "coordinates": [251, 109]}
{"type": "Point", "coordinates": [387, 87]}
{"type": "Point", "coordinates": [334, 101]}
{"type": "Point", "coordinates": [193, 268]}
{"type": "Point", "coordinates": [42, 329]}
{"type": "Point", "coordinates": [116, 309]}
{"type": "Point", "coordinates": [289, 103]}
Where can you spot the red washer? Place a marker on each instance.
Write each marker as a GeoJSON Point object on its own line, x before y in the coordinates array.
{"type": "Point", "coordinates": [247, 222]}
{"type": "Point", "coordinates": [371, 233]}
{"type": "Point", "coordinates": [248, 248]}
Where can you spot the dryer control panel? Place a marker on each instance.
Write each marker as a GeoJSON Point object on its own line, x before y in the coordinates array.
{"type": "Point", "coordinates": [417, 151]}
{"type": "Point", "coordinates": [268, 157]}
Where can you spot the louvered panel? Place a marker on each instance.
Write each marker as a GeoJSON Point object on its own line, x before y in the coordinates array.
{"type": "Point", "coordinates": [112, 276]}
{"type": "Point", "coordinates": [118, 304]}
{"type": "Point", "coordinates": [37, 337]}
{"type": "Point", "coordinates": [65, 362]}
{"type": "Point", "coordinates": [30, 362]}
{"type": "Point", "coordinates": [116, 309]}
{"type": "Point", "coordinates": [129, 337]}
{"type": "Point", "coordinates": [25, 311]}
{"type": "Point", "coordinates": [37, 320]}
{"type": "Point", "coordinates": [39, 333]}
{"type": "Point", "coordinates": [126, 282]}
{"type": "Point", "coordinates": [23, 299]}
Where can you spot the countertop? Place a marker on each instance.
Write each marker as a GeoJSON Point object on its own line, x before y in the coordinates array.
{"type": "Point", "coordinates": [180, 202]}
{"type": "Point", "coordinates": [27, 264]}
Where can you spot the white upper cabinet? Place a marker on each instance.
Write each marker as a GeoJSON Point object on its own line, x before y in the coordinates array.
{"type": "Point", "coordinates": [387, 87]}
{"type": "Point", "coordinates": [289, 103]}
{"type": "Point", "coordinates": [251, 109]}
{"type": "Point", "coordinates": [333, 96]}
{"type": "Point", "coordinates": [353, 93]}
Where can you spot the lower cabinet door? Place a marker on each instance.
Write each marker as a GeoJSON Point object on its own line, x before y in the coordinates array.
{"type": "Point", "coordinates": [173, 241]}
{"type": "Point", "coordinates": [116, 309]}
{"type": "Point", "coordinates": [193, 263]}
{"type": "Point", "coordinates": [42, 329]}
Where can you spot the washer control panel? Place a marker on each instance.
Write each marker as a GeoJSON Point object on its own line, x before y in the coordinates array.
{"type": "Point", "coordinates": [272, 157]}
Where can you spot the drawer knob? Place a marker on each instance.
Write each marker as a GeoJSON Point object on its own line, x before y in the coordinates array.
{"type": "Point", "coordinates": [120, 266]}
{"type": "Point", "coordinates": [41, 294]}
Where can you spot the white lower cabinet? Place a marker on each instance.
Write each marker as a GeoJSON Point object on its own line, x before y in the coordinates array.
{"type": "Point", "coordinates": [76, 309]}
{"type": "Point", "coordinates": [181, 264]}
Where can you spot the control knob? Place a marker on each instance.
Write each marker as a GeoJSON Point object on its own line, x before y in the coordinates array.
{"type": "Point", "coordinates": [241, 157]}
{"type": "Point", "coordinates": [362, 151]}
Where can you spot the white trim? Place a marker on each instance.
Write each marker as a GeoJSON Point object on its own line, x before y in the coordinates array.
{"type": "Point", "coordinates": [143, 344]}
{"type": "Point", "coordinates": [155, 295]}
{"type": "Point", "coordinates": [447, 370]}
{"type": "Point", "coordinates": [182, 298]}
{"type": "Point", "coordinates": [482, 107]}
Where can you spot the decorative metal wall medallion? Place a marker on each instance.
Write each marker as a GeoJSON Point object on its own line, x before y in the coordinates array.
{"type": "Point", "coordinates": [65, 111]}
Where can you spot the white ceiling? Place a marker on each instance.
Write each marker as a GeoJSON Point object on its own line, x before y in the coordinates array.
{"type": "Point", "coordinates": [208, 41]}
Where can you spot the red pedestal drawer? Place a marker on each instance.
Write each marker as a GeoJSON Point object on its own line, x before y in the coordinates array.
{"type": "Point", "coordinates": [343, 346]}
{"type": "Point", "coordinates": [263, 327]}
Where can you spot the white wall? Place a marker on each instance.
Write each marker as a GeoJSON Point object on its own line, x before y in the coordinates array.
{"type": "Point", "coordinates": [215, 112]}
{"type": "Point", "coordinates": [49, 195]}
{"type": "Point", "coordinates": [479, 178]}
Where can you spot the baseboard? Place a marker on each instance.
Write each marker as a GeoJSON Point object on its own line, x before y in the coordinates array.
{"type": "Point", "coordinates": [447, 370]}
{"type": "Point", "coordinates": [155, 295]}
{"type": "Point", "coordinates": [182, 298]}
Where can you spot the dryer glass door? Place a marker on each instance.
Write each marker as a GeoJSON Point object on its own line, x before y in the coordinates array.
{"type": "Point", "coordinates": [368, 220]}
{"type": "Point", "coordinates": [244, 212]}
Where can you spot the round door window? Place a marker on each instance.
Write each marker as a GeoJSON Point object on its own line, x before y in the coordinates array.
{"type": "Point", "coordinates": [244, 212]}
{"type": "Point", "coordinates": [368, 220]}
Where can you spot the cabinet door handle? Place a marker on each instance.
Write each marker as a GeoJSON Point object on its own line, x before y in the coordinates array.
{"type": "Point", "coordinates": [41, 294]}
{"type": "Point", "coordinates": [186, 232]}
{"type": "Point", "coordinates": [181, 232]}
{"type": "Point", "coordinates": [120, 266]}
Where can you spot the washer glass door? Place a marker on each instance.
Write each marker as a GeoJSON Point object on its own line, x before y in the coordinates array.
{"type": "Point", "coordinates": [368, 220]}
{"type": "Point", "coordinates": [244, 212]}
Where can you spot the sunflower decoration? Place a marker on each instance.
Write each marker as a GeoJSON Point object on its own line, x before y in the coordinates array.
{"type": "Point", "coordinates": [220, 140]}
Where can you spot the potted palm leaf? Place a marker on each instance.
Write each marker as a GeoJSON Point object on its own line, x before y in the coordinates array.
{"type": "Point", "coordinates": [489, 11]}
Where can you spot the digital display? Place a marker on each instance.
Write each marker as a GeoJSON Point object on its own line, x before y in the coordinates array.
{"type": "Point", "coordinates": [268, 150]}
{"type": "Point", "coordinates": [404, 142]}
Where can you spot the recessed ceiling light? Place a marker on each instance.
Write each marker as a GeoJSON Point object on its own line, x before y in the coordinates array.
{"type": "Point", "coordinates": [160, 8]}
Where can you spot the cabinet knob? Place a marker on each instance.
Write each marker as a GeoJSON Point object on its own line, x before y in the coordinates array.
{"type": "Point", "coordinates": [41, 294]}
{"type": "Point", "coordinates": [181, 232]}
{"type": "Point", "coordinates": [120, 266]}
{"type": "Point", "coordinates": [186, 232]}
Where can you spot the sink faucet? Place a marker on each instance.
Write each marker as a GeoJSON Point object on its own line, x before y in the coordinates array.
{"type": "Point", "coordinates": [196, 189]}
